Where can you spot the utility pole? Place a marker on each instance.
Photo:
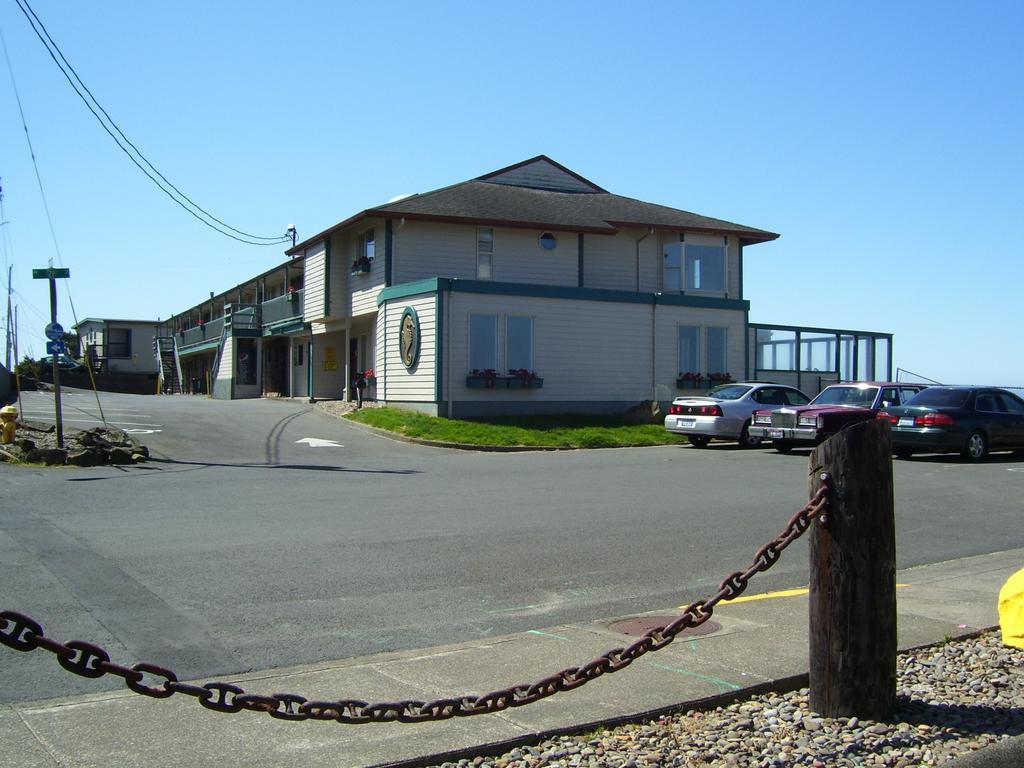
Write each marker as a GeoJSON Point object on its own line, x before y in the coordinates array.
{"type": "Point", "coordinates": [54, 346]}
{"type": "Point", "coordinates": [10, 328]}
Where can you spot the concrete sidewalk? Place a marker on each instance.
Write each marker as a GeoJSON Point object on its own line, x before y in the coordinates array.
{"type": "Point", "coordinates": [755, 643]}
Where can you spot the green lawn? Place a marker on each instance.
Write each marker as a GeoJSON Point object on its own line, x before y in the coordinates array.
{"type": "Point", "coordinates": [567, 431]}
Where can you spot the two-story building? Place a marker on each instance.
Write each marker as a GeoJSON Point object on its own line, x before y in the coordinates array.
{"type": "Point", "coordinates": [118, 346]}
{"type": "Point", "coordinates": [529, 289]}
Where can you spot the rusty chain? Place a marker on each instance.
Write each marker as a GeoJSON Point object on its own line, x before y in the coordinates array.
{"type": "Point", "coordinates": [23, 633]}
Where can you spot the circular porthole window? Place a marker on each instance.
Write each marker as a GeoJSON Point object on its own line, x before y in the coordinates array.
{"type": "Point", "coordinates": [548, 241]}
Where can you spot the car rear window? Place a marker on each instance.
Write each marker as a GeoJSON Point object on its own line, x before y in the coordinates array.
{"type": "Point", "coordinates": [862, 396]}
{"type": "Point", "coordinates": [728, 392]}
{"type": "Point", "coordinates": [940, 398]}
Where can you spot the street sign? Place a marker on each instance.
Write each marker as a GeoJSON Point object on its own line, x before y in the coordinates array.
{"type": "Point", "coordinates": [46, 274]}
{"type": "Point", "coordinates": [54, 331]}
{"type": "Point", "coordinates": [55, 348]}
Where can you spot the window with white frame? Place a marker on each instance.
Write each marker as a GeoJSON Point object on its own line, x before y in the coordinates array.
{"type": "Point", "coordinates": [689, 349]}
{"type": "Point", "coordinates": [368, 246]}
{"type": "Point", "coordinates": [484, 253]}
{"type": "Point", "coordinates": [705, 268]}
{"type": "Point", "coordinates": [715, 348]}
{"type": "Point", "coordinates": [483, 342]}
{"type": "Point", "coordinates": [694, 266]}
{"type": "Point", "coordinates": [519, 343]}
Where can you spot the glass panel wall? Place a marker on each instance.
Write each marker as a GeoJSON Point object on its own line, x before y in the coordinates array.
{"type": "Point", "coordinates": [817, 351]}
{"type": "Point", "coordinates": [776, 350]}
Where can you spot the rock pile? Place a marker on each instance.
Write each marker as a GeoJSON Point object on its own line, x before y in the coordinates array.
{"type": "Point", "coordinates": [37, 444]}
{"type": "Point", "coordinates": [953, 698]}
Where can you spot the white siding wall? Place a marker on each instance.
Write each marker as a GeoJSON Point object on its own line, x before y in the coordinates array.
{"type": "Point", "coordinates": [732, 255]}
{"type": "Point", "coordinates": [518, 257]}
{"type": "Point", "coordinates": [143, 358]}
{"type": "Point", "coordinates": [424, 249]}
{"type": "Point", "coordinates": [329, 384]}
{"type": "Point", "coordinates": [667, 352]}
{"type": "Point", "coordinates": [402, 384]}
{"type": "Point", "coordinates": [340, 302]}
{"type": "Point", "coordinates": [588, 350]}
{"type": "Point", "coordinates": [225, 370]}
{"type": "Point", "coordinates": [362, 289]}
{"type": "Point", "coordinates": [315, 284]}
{"type": "Point", "coordinates": [609, 261]}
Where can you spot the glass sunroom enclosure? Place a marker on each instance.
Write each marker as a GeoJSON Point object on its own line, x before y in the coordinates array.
{"type": "Point", "coordinates": [812, 358]}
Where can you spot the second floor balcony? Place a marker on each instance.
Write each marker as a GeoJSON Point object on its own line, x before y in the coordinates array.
{"type": "Point", "coordinates": [250, 319]}
{"type": "Point", "coordinates": [282, 308]}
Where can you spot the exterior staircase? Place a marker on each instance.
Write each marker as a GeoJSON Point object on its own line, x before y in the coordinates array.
{"type": "Point", "coordinates": [167, 356]}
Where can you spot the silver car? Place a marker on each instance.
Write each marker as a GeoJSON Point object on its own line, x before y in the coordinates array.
{"type": "Point", "coordinates": [724, 412]}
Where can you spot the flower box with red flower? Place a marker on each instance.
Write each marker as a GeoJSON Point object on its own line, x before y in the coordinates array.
{"type": "Point", "coordinates": [523, 378]}
{"type": "Point", "coordinates": [361, 266]}
{"type": "Point", "coordinates": [486, 378]}
{"type": "Point", "coordinates": [690, 380]}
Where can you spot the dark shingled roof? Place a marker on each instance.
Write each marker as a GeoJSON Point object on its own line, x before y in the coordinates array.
{"type": "Point", "coordinates": [500, 199]}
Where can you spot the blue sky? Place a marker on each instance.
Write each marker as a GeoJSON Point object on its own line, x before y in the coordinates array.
{"type": "Point", "coordinates": [882, 140]}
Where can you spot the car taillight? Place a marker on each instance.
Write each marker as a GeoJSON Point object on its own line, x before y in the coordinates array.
{"type": "Point", "coordinates": [710, 410]}
{"type": "Point", "coordinates": [675, 409]}
{"type": "Point", "coordinates": [887, 417]}
{"type": "Point", "coordinates": [933, 420]}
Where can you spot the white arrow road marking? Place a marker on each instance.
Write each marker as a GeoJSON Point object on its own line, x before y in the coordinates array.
{"type": "Point", "coordinates": [142, 431]}
{"type": "Point", "coordinates": [319, 442]}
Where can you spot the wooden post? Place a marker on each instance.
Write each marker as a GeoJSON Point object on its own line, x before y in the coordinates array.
{"type": "Point", "coordinates": [853, 577]}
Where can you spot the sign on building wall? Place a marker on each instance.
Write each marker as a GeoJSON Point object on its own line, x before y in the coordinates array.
{"type": "Point", "coordinates": [330, 359]}
{"type": "Point", "coordinates": [246, 361]}
{"type": "Point", "coordinates": [409, 337]}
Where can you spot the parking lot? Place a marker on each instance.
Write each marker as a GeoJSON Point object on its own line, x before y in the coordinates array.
{"type": "Point", "coordinates": [265, 533]}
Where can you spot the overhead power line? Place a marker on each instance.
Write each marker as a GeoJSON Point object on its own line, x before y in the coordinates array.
{"type": "Point", "coordinates": [131, 151]}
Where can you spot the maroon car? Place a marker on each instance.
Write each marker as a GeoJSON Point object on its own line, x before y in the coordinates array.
{"type": "Point", "coordinates": [834, 408]}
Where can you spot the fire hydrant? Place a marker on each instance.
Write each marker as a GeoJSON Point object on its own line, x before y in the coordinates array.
{"type": "Point", "coordinates": [8, 424]}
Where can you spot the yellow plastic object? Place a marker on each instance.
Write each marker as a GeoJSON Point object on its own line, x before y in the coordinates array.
{"type": "Point", "coordinates": [8, 425]}
{"type": "Point", "coordinates": [1011, 610]}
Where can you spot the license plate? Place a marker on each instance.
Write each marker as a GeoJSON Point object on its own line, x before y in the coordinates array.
{"type": "Point", "coordinates": [775, 433]}
{"type": "Point", "coordinates": [685, 422]}
{"type": "Point", "coordinates": [906, 421]}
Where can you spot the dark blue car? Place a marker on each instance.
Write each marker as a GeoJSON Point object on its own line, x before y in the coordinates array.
{"type": "Point", "coordinates": [970, 421]}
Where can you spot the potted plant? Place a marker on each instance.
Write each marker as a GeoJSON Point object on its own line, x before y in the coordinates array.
{"type": "Point", "coordinates": [370, 377]}
{"type": "Point", "coordinates": [361, 266]}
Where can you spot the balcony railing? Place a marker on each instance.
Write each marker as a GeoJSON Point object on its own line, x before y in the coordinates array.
{"type": "Point", "coordinates": [282, 308]}
{"type": "Point", "coordinates": [212, 329]}
{"type": "Point", "coordinates": [243, 317]}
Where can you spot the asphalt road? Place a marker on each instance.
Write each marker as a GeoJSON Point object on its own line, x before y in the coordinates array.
{"type": "Point", "coordinates": [243, 545]}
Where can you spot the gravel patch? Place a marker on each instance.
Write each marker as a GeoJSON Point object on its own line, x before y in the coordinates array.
{"type": "Point", "coordinates": [339, 408]}
{"type": "Point", "coordinates": [952, 699]}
